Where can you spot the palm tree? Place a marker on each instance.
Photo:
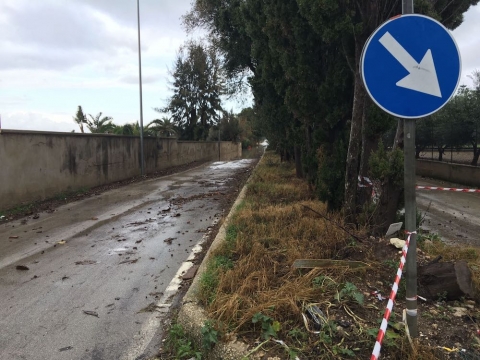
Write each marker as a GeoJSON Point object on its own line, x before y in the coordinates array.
{"type": "Point", "coordinates": [162, 127]}
{"type": "Point", "coordinates": [99, 125]}
{"type": "Point", "coordinates": [80, 118]}
{"type": "Point", "coordinates": [132, 129]}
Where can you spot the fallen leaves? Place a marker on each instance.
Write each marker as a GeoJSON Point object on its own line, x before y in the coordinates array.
{"type": "Point", "coordinates": [149, 308]}
{"type": "Point", "coordinates": [13, 237]}
{"type": "Point", "coordinates": [169, 240]}
{"type": "Point", "coordinates": [85, 262]}
{"type": "Point", "coordinates": [92, 313]}
{"type": "Point", "coordinates": [133, 261]}
{"type": "Point", "coordinates": [22, 267]}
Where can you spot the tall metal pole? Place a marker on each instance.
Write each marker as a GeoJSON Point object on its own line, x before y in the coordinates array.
{"type": "Point", "coordinates": [410, 211]}
{"type": "Point", "coordinates": [141, 101]}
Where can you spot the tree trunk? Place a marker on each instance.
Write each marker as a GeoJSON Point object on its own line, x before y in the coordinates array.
{"type": "Point", "coordinates": [476, 153]}
{"type": "Point", "coordinates": [398, 142]}
{"type": "Point", "coordinates": [387, 207]}
{"type": "Point", "coordinates": [445, 279]}
{"type": "Point", "coordinates": [390, 194]}
{"type": "Point", "coordinates": [440, 153]}
{"type": "Point", "coordinates": [298, 161]}
{"type": "Point", "coordinates": [353, 154]}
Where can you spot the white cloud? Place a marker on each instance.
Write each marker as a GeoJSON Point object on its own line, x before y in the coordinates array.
{"type": "Point", "coordinates": [468, 41]}
{"type": "Point", "coordinates": [58, 54]}
{"type": "Point", "coordinates": [38, 121]}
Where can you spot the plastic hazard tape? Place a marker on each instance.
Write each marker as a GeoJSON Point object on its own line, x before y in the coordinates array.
{"type": "Point", "coordinates": [391, 298]}
{"type": "Point", "coordinates": [447, 189]}
{"type": "Point", "coordinates": [362, 179]}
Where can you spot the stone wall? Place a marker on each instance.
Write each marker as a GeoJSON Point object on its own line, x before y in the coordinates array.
{"type": "Point", "coordinates": [455, 173]}
{"type": "Point", "coordinates": [38, 165]}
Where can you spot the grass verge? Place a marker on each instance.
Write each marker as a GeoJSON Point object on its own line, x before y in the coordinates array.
{"type": "Point", "coordinates": [252, 290]}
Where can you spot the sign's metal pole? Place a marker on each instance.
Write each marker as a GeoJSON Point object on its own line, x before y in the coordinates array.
{"type": "Point", "coordinates": [410, 211]}
{"type": "Point", "coordinates": [142, 161]}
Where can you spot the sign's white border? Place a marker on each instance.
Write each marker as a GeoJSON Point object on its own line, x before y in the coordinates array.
{"type": "Point", "coordinates": [367, 43]}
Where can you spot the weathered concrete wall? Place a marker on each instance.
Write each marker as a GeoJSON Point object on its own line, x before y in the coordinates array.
{"type": "Point", "coordinates": [455, 173]}
{"type": "Point", "coordinates": [38, 165]}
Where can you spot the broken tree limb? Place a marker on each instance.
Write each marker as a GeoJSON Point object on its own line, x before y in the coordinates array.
{"type": "Point", "coordinates": [327, 263]}
{"type": "Point", "coordinates": [445, 279]}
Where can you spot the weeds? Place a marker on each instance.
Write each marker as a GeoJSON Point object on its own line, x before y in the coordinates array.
{"type": "Point", "coordinates": [209, 335]}
{"type": "Point", "coordinates": [269, 326]}
{"type": "Point", "coordinates": [180, 345]}
{"type": "Point", "coordinates": [350, 292]}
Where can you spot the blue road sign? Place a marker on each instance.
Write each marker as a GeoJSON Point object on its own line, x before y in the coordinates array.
{"type": "Point", "coordinates": [411, 66]}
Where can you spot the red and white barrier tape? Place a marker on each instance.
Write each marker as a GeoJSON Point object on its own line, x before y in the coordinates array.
{"type": "Point", "coordinates": [391, 298]}
{"type": "Point", "coordinates": [447, 189]}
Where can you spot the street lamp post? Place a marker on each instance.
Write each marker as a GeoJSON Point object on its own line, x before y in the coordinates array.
{"type": "Point", "coordinates": [142, 166]}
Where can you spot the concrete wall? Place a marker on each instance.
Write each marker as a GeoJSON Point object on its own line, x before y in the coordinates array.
{"type": "Point", "coordinates": [455, 173]}
{"type": "Point", "coordinates": [38, 165]}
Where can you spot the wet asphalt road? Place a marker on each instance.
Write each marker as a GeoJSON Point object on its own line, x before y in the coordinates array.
{"type": "Point", "coordinates": [95, 264]}
{"type": "Point", "coordinates": [455, 216]}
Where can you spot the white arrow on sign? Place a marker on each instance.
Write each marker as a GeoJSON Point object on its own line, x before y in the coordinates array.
{"type": "Point", "coordinates": [422, 77]}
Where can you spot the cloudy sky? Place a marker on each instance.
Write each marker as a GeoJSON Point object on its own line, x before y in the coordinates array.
{"type": "Point", "coordinates": [58, 54]}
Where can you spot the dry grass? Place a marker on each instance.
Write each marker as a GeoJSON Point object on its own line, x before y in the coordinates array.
{"type": "Point", "coordinates": [252, 272]}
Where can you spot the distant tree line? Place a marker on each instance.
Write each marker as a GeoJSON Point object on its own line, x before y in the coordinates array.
{"type": "Point", "coordinates": [455, 126]}
{"type": "Point", "coordinates": [229, 127]}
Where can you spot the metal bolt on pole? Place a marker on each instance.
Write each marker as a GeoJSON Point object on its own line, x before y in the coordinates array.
{"type": "Point", "coordinates": [410, 211]}
{"type": "Point", "coordinates": [142, 166]}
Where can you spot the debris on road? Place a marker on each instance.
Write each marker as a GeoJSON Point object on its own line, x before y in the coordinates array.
{"type": "Point", "coordinates": [92, 313]}
{"type": "Point", "coordinates": [85, 262]}
{"type": "Point", "coordinates": [169, 240]}
{"type": "Point", "coordinates": [190, 274]}
{"type": "Point", "coordinates": [62, 242]}
{"type": "Point", "coordinates": [138, 241]}
{"type": "Point", "coordinates": [133, 261]}
{"type": "Point", "coordinates": [22, 267]}
{"type": "Point", "coordinates": [94, 218]}
{"type": "Point", "coordinates": [149, 308]}
{"type": "Point", "coordinates": [13, 237]}
{"type": "Point", "coordinates": [66, 348]}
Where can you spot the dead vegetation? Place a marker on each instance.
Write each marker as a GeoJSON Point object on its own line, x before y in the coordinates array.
{"type": "Point", "coordinates": [252, 291]}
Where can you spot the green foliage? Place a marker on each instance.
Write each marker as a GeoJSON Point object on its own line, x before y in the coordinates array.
{"type": "Point", "coordinates": [163, 127]}
{"type": "Point", "coordinates": [180, 345]}
{"type": "Point", "coordinates": [300, 57]}
{"type": "Point", "coordinates": [456, 125]}
{"type": "Point", "coordinates": [197, 85]}
{"type": "Point", "coordinates": [350, 292]}
{"type": "Point", "coordinates": [389, 340]}
{"type": "Point", "coordinates": [270, 327]}
{"type": "Point", "coordinates": [298, 334]}
{"type": "Point", "coordinates": [99, 124]}
{"type": "Point", "coordinates": [209, 335]}
{"type": "Point", "coordinates": [387, 164]}
{"type": "Point", "coordinates": [80, 118]}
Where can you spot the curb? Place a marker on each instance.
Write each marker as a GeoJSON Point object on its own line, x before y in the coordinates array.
{"type": "Point", "coordinates": [192, 315]}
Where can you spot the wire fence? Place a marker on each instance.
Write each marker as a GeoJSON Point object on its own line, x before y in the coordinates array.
{"type": "Point", "coordinates": [449, 155]}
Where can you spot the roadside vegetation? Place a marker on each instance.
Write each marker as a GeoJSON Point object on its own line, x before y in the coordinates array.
{"type": "Point", "coordinates": [252, 291]}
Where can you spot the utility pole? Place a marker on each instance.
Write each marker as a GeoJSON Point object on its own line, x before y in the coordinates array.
{"type": "Point", "coordinates": [219, 158]}
{"type": "Point", "coordinates": [410, 211]}
{"type": "Point", "coordinates": [142, 166]}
